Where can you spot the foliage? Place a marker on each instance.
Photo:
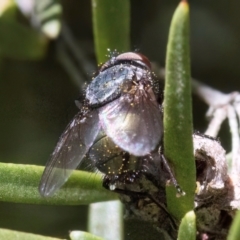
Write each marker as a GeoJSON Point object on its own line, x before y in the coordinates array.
{"type": "Point", "coordinates": [111, 27]}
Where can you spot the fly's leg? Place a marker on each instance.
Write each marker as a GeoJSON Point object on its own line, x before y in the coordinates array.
{"type": "Point", "coordinates": [180, 192]}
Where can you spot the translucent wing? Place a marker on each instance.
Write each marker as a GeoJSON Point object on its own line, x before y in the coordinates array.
{"type": "Point", "coordinates": [69, 152]}
{"type": "Point", "coordinates": [133, 121]}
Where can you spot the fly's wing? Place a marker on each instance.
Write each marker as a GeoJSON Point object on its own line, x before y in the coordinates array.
{"type": "Point", "coordinates": [133, 121]}
{"type": "Point", "coordinates": [71, 148]}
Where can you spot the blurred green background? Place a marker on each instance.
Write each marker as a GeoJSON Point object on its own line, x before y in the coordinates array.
{"type": "Point", "coordinates": [37, 93]}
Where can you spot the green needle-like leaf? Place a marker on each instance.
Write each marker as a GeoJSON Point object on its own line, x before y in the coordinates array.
{"type": "Point", "coordinates": [234, 232]}
{"type": "Point", "coordinates": [187, 229]}
{"type": "Point", "coordinates": [19, 183]}
{"type": "Point", "coordinates": [111, 25]}
{"type": "Point", "coordinates": [80, 235]}
{"type": "Point", "coordinates": [7, 234]}
{"type": "Point", "coordinates": [178, 146]}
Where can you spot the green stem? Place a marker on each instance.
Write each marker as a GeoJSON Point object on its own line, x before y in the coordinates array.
{"type": "Point", "coordinates": [106, 220]}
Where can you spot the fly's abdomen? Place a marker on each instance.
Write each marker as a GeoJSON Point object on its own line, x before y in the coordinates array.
{"type": "Point", "coordinates": [111, 160]}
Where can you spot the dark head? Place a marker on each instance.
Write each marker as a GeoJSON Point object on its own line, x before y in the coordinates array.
{"type": "Point", "coordinates": [133, 58]}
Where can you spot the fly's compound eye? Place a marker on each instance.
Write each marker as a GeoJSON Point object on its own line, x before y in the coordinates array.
{"type": "Point", "coordinates": [128, 57]}
{"type": "Point", "coordinates": [132, 56]}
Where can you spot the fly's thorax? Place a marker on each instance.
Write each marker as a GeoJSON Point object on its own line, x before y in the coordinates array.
{"type": "Point", "coordinates": [114, 81]}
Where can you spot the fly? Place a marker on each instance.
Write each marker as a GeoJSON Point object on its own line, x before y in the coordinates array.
{"type": "Point", "coordinates": [119, 126]}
